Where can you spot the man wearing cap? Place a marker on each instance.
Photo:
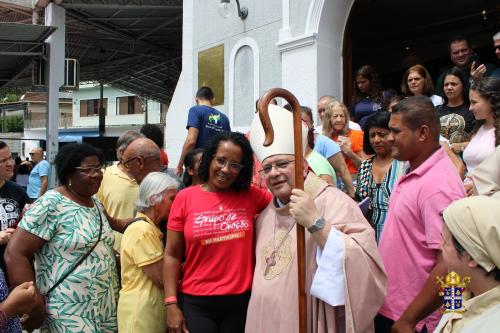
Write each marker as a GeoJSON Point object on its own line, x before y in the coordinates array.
{"type": "Point", "coordinates": [38, 180]}
{"type": "Point", "coordinates": [471, 247]}
{"type": "Point", "coordinates": [345, 279]}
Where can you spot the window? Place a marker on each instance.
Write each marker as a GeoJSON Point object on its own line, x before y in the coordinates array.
{"type": "Point", "coordinates": [129, 105]}
{"type": "Point", "coordinates": [90, 107]}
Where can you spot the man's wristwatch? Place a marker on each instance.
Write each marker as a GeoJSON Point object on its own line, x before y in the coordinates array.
{"type": "Point", "coordinates": [317, 225]}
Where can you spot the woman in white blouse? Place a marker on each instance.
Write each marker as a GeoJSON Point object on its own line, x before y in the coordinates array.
{"type": "Point", "coordinates": [485, 105]}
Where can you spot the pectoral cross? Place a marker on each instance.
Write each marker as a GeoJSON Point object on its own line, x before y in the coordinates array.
{"type": "Point", "coordinates": [270, 262]}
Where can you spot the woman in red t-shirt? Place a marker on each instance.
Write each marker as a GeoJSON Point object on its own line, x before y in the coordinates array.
{"type": "Point", "coordinates": [211, 226]}
{"type": "Point", "coordinates": [336, 127]}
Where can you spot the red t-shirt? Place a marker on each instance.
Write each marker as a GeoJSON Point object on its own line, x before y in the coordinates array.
{"type": "Point", "coordinates": [219, 232]}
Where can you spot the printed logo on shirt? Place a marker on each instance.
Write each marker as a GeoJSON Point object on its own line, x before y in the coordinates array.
{"type": "Point", "coordinates": [219, 239]}
{"type": "Point", "coordinates": [214, 118]}
{"type": "Point", "coordinates": [213, 227]}
{"type": "Point", "coordinates": [9, 213]}
{"type": "Point", "coordinates": [452, 290]}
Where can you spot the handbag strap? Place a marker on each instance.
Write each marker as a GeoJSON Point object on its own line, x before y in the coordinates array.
{"type": "Point", "coordinates": [82, 258]}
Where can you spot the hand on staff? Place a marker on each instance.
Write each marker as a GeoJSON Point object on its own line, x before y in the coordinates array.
{"type": "Point", "coordinates": [175, 320]}
{"type": "Point", "coordinates": [303, 209]}
{"type": "Point", "coordinates": [5, 235]}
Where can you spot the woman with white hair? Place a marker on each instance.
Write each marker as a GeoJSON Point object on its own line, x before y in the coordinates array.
{"type": "Point", "coordinates": [140, 308]}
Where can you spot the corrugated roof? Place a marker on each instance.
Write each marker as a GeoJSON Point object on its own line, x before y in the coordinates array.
{"type": "Point", "coordinates": [134, 45]}
{"type": "Point", "coordinates": [19, 32]}
{"type": "Point", "coordinates": [19, 43]}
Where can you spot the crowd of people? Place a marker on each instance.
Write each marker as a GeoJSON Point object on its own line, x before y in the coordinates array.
{"type": "Point", "coordinates": [399, 188]}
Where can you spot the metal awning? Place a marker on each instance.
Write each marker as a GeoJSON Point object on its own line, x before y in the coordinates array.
{"type": "Point", "coordinates": [75, 136]}
{"type": "Point", "coordinates": [133, 45]}
{"type": "Point", "coordinates": [19, 43]}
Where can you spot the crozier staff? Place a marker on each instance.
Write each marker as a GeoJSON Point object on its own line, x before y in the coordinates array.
{"type": "Point", "coordinates": [344, 272]}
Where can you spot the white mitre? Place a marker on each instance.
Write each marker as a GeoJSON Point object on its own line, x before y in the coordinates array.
{"type": "Point", "coordinates": [282, 121]}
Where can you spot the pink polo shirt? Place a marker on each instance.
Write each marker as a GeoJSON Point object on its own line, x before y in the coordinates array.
{"type": "Point", "coordinates": [412, 232]}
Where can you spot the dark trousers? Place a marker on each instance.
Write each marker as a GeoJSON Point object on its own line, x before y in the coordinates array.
{"type": "Point", "coordinates": [384, 325]}
{"type": "Point", "coordinates": [215, 314]}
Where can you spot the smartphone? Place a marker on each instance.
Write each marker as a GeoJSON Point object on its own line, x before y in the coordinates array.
{"type": "Point", "coordinates": [475, 58]}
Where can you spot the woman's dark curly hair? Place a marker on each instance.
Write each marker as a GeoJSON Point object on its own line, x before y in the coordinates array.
{"type": "Point", "coordinates": [489, 89]}
{"type": "Point", "coordinates": [71, 156]}
{"type": "Point", "coordinates": [455, 71]}
{"type": "Point", "coordinates": [379, 119]}
{"type": "Point", "coordinates": [369, 73]}
{"type": "Point", "coordinates": [242, 182]}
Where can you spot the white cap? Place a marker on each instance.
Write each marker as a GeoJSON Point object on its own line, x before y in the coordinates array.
{"type": "Point", "coordinates": [282, 121]}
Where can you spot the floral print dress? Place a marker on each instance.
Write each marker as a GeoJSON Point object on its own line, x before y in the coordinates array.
{"type": "Point", "coordinates": [86, 300]}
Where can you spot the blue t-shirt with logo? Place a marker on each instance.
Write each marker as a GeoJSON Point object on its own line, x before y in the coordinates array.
{"type": "Point", "coordinates": [42, 168]}
{"type": "Point", "coordinates": [208, 121]}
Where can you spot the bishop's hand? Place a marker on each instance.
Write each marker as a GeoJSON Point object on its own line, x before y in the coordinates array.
{"type": "Point", "coordinates": [303, 209]}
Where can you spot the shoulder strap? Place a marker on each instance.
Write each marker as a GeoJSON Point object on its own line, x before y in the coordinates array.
{"type": "Point", "coordinates": [82, 258]}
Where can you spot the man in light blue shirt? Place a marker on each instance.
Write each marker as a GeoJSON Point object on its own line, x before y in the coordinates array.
{"type": "Point", "coordinates": [39, 176]}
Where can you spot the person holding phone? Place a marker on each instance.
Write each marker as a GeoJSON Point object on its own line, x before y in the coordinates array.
{"type": "Point", "coordinates": [461, 55]}
{"type": "Point", "coordinates": [477, 69]}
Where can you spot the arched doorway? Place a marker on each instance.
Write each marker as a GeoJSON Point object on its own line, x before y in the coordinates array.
{"type": "Point", "coordinates": [394, 35]}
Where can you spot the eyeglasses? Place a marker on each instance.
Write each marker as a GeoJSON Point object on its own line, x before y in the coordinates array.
{"type": "Point", "coordinates": [125, 163]}
{"type": "Point", "coordinates": [221, 162]}
{"type": "Point", "coordinates": [279, 165]}
{"type": "Point", "coordinates": [90, 170]}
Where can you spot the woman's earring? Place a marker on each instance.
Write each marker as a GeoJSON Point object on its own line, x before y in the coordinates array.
{"type": "Point", "coordinates": [69, 184]}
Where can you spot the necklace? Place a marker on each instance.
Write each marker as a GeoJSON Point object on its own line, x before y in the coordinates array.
{"type": "Point", "coordinates": [271, 260]}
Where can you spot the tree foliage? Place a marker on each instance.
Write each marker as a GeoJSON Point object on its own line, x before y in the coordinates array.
{"type": "Point", "coordinates": [12, 124]}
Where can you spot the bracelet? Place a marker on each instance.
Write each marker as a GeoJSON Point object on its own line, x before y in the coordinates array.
{"type": "Point", "coordinates": [170, 300]}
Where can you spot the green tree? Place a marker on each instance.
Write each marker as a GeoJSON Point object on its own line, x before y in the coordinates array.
{"type": "Point", "coordinates": [12, 124]}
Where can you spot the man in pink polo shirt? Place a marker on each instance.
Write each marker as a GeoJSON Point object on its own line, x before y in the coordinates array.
{"type": "Point", "coordinates": [411, 237]}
